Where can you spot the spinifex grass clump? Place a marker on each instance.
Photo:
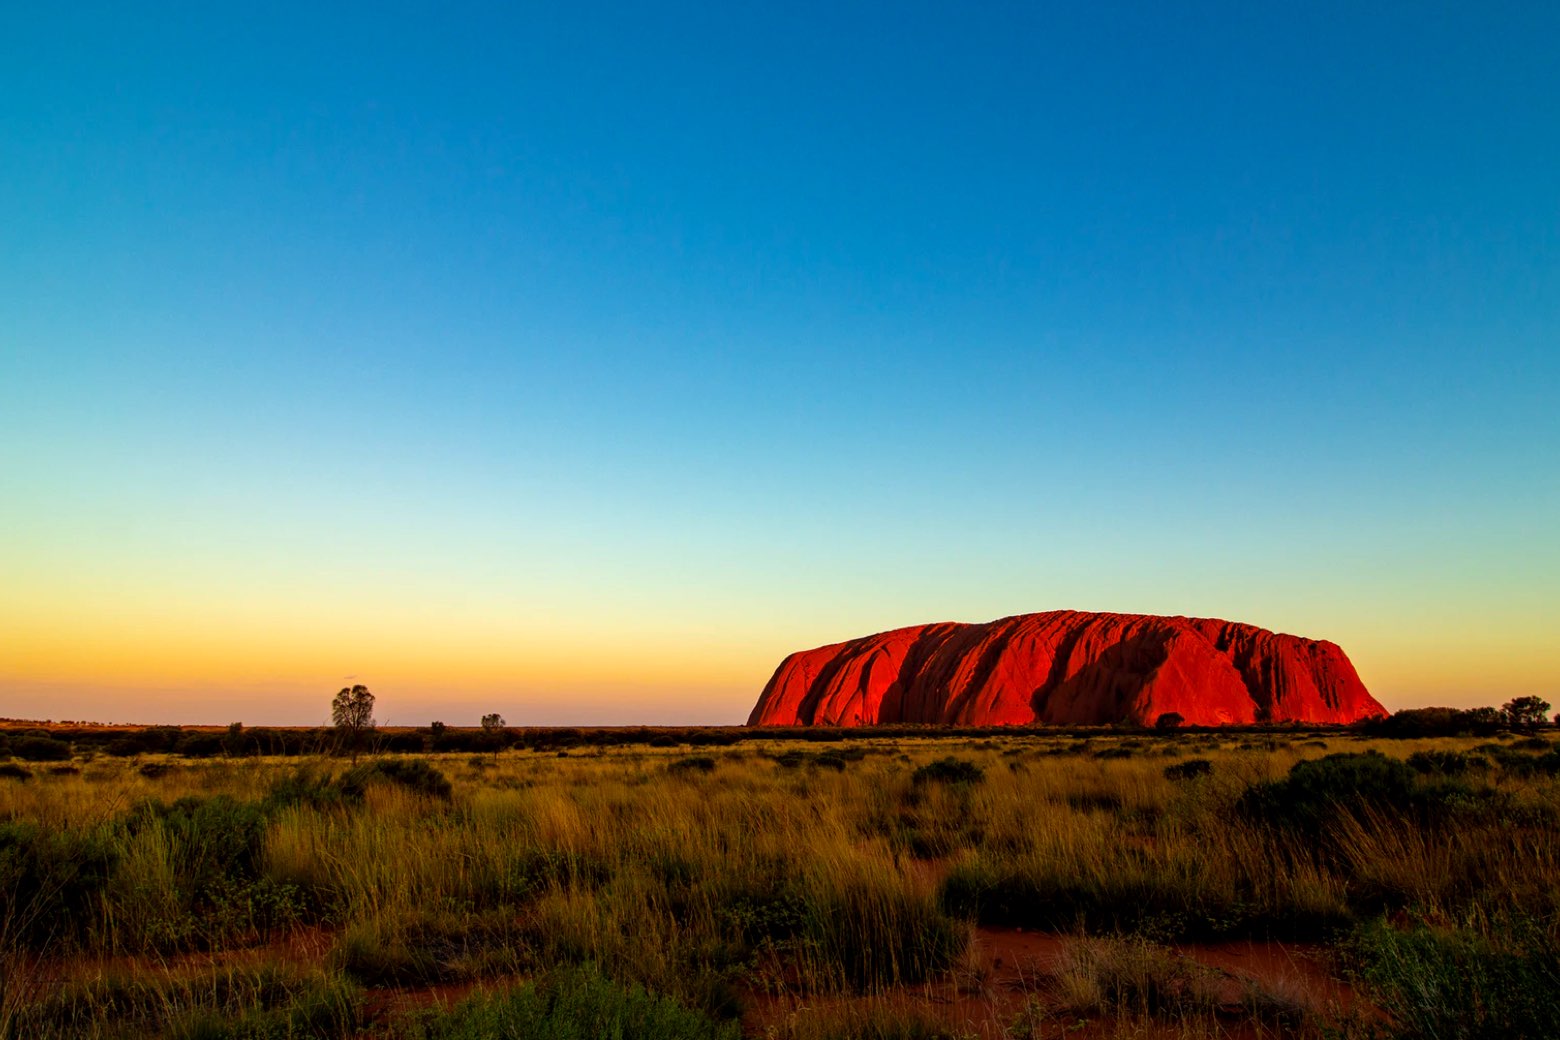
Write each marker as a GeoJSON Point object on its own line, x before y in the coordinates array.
{"type": "Point", "coordinates": [692, 764]}
{"type": "Point", "coordinates": [1447, 763]}
{"type": "Point", "coordinates": [573, 1004]}
{"type": "Point", "coordinates": [426, 949]}
{"type": "Point", "coordinates": [948, 770]}
{"type": "Point", "coordinates": [1135, 977]}
{"type": "Point", "coordinates": [40, 749]}
{"type": "Point", "coordinates": [50, 882]}
{"type": "Point", "coordinates": [409, 774]}
{"type": "Point", "coordinates": [1191, 769]}
{"type": "Point", "coordinates": [190, 876]}
{"type": "Point", "coordinates": [863, 929]}
{"type": "Point", "coordinates": [1497, 983]}
{"type": "Point", "coordinates": [1314, 792]}
{"type": "Point", "coordinates": [255, 1003]}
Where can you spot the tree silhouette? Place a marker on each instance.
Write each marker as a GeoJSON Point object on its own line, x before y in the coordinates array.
{"type": "Point", "coordinates": [1525, 712]}
{"type": "Point", "coordinates": [492, 722]}
{"type": "Point", "coordinates": [352, 712]}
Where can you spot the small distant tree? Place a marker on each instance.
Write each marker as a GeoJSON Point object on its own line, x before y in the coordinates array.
{"type": "Point", "coordinates": [437, 728]}
{"type": "Point", "coordinates": [233, 743]}
{"type": "Point", "coordinates": [1169, 720]}
{"type": "Point", "coordinates": [1525, 712]}
{"type": "Point", "coordinates": [493, 722]}
{"type": "Point", "coordinates": [352, 713]}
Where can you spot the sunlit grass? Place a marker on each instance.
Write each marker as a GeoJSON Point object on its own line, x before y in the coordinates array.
{"type": "Point", "coordinates": [775, 872]}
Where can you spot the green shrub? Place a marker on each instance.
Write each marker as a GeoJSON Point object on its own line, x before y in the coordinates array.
{"type": "Point", "coordinates": [40, 749]}
{"type": "Point", "coordinates": [202, 745]}
{"type": "Point", "coordinates": [575, 1004]}
{"type": "Point", "coordinates": [1161, 901]}
{"type": "Point", "coordinates": [873, 933]}
{"type": "Point", "coordinates": [1189, 770]}
{"type": "Point", "coordinates": [307, 786]}
{"type": "Point", "coordinates": [1519, 763]}
{"type": "Point", "coordinates": [214, 849]}
{"type": "Point", "coordinates": [210, 837]}
{"type": "Point", "coordinates": [267, 1003]}
{"type": "Point", "coordinates": [1316, 790]}
{"type": "Point", "coordinates": [691, 764]}
{"type": "Point", "coordinates": [412, 774]}
{"type": "Point", "coordinates": [1447, 763]}
{"type": "Point", "coordinates": [830, 760]}
{"type": "Point", "coordinates": [405, 743]}
{"type": "Point", "coordinates": [949, 770]}
{"type": "Point", "coordinates": [1439, 984]}
{"type": "Point", "coordinates": [49, 881]}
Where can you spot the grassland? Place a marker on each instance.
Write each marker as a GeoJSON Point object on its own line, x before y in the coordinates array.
{"type": "Point", "coordinates": [1013, 885]}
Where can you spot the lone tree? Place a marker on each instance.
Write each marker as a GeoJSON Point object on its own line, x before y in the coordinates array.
{"type": "Point", "coordinates": [352, 712]}
{"type": "Point", "coordinates": [492, 723]}
{"type": "Point", "coordinates": [1525, 712]}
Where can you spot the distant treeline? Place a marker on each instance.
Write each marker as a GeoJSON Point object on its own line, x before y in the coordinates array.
{"type": "Point", "coordinates": [50, 742]}
{"type": "Point", "coordinates": [45, 742]}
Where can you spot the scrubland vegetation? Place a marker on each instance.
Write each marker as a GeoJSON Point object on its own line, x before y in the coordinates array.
{"type": "Point", "coordinates": [870, 886]}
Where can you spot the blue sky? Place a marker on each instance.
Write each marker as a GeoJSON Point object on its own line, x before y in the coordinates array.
{"type": "Point", "coordinates": [583, 362]}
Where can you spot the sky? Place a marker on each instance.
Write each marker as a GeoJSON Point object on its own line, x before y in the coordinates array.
{"type": "Point", "coordinates": [580, 361]}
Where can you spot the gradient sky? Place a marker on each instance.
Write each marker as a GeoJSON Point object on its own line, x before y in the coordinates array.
{"type": "Point", "coordinates": [578, 362]}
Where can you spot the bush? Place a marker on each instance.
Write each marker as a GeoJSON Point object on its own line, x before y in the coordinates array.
{"type": "Point", "coordinates": [405, 743]}
{"type": "Point", "coordinates": [307, 786]}
{"type": "Point", "coordinates": [1447, 763]}
{"type": "Point", "coordinates": [412, 774]}
{"type": "Point", "coordinates": [49, 880]}
{"type": "Point", "coordinates": [202, 745]}
{"type": "Point", "coordinates": [264, 1003]}
{"type": "Point", "coordinates": [950, 770]}
{"type": "Point", "coordinates": [40, 749]}
{"type": "Point", "coordinates": [692, 764]}
{"type": "Point", "coordinates": [1436, 722]}
{"type": "Point", "coordinates": [1316, 790]}
{"type": "Point", "coordinates": [1438, 984]}
{"type": "Point", "coordinates": [1156, 900]}
{"type": "Point", "coordinates": [830, 760]}
{"type": "Point", "coordinates": [214, 888]}
{"type": "Point", "coordinates": [576, 1004]}
{"type": "Point", "coordinates": [1519, 763]}
{"type": "Point", "coordinates": [12, 771]}
{"type": "Point", "coordinates": [1189, 770]}
{"type": "Point", "coordinates": [868, 932]}
{"type": "Point", "coordinates": [211, 838]}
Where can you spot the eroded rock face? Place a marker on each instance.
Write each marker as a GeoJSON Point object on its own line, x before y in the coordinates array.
{"type": "Point", "coordinates": [1067, 667]}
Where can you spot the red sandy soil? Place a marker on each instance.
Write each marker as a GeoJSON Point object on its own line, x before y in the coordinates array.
{"type": "Point", "coordinates": [1007, 969]}
{"type": "Point", "coordinates": [1010, 968]}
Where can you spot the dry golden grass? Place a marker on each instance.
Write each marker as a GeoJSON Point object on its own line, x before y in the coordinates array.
{"type": "Point", "coordinates": [755, 879]}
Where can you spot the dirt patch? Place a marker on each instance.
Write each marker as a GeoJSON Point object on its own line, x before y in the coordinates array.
{"type": "Point", "coordinates": [1008, 986]}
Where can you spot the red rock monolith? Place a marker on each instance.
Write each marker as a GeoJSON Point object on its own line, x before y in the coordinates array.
{"type": "Point", "coordinates": [1068, 668]}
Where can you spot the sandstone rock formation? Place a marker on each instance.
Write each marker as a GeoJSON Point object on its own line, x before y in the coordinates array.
{"type": "Point", "coordinates": [1067, 667]}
